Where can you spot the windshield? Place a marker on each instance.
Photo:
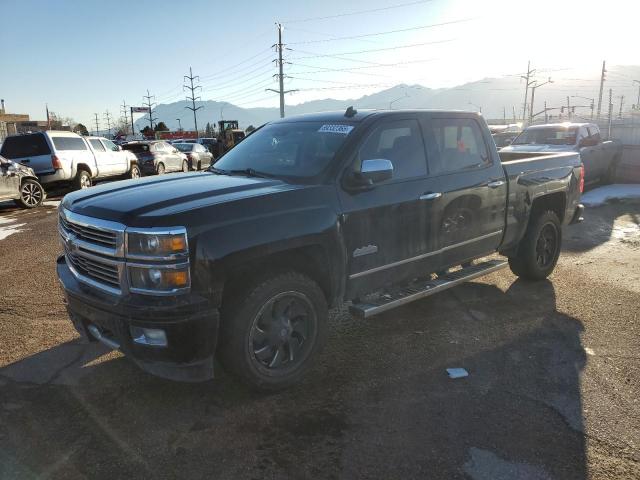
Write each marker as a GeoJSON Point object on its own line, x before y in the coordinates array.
{"type": "Point", "coordinates": [184, 147]}
{"type": "Point", "coordinates": [547, 136]}
{"type": "Point", "coordinates": [300, 149]}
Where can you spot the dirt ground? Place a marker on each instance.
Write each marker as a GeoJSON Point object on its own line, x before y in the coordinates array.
{"type": "Point", "coordinates": [552, 393]}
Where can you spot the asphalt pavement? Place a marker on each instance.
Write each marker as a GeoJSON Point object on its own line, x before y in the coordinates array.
{"type": "Point", "coordinates": [552, 392]}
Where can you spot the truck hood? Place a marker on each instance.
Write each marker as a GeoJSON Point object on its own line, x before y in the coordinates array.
{"type": "Point", "coordinates": [154, 201]}
{"type": "Point", "coordinates": [538, 148]}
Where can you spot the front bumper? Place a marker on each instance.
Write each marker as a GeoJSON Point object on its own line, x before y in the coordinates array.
{"type": "Point", "coordinates": [189, 321]}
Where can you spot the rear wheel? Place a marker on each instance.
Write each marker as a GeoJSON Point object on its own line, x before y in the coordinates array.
{"type": "Point", "coordinates": [31, 194]}
{"type": "Point", "coordinates": [271, 332]}
{"type": "Point", "coordinates": [160, 169]}
{"type": "Point", "coordinates": [199, 166]}
{"type": "Point", "coordinates": [538, 251]}
{"type": "Point", "coordinates": [82, 180]}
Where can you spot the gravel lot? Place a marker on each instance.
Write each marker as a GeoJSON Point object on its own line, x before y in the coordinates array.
{"type": "Point", "coordinates": [553, 388]}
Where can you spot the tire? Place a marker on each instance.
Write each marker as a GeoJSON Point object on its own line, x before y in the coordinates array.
{"type": "Point", "coordinates": [538, 251]}
{"type": "Point", "coordinates": [185, 166]}
{"type": "Point", "coordinates": [160, 169]}
{"type": "Point", "coordinates": [134, 171]}
{"type": "Point", "coordinates": [280, 317]}
{"type": "Point", "coordinates": [82, 180]}
{"type": "Point", "coordinates": [199, 166]}
{"type": "Point", "coordinates": [31, 194]}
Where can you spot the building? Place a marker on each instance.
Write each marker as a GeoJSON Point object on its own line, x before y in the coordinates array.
{"type": "Point", "coordinates": [15, 123]}
{"type": "Point", "coordinates": [9, 122]}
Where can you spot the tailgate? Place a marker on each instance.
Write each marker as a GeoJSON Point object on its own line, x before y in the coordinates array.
{"type": "Point", "coordinates": [31, 150]}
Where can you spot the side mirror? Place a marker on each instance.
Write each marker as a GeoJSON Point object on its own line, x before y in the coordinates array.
{"type": "Point", "coordinates": [374, 171]}
{"type": "Point", "coordinates": [508, 141]}
{"type": "Point", "coordinates": [118, 148]}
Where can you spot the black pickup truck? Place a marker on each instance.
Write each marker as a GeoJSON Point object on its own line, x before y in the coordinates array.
{"type": "Point", "coordinates": [243, 261]}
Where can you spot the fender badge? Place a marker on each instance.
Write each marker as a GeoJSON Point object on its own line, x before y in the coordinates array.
{"type": "Point", "coordinates": [368, 250]}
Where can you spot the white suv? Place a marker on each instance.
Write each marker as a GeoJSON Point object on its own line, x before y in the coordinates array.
{"type": "Point", "coordinates": [65, 157]}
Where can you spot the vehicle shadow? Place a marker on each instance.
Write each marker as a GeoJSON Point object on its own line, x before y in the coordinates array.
{"type": "Point", "coordinates": [378, 405]}
{"type": "Point", "coordinates": [599, 225]}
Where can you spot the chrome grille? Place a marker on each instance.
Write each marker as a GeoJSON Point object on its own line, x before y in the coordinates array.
{"type": "Point", "coordinates": [93, 268]}
{"type": "Point", "coordinates": [94, 249]}
{"type": "Point", "coordinates": [89, 234]}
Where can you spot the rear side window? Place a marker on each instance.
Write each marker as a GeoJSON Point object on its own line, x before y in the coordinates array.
{"type": "Point", "coordinates": [68, 143]}
{"type": "Point", "coordinates": [136, 147]}
{"type": "Point", "coordinates": [401, 142]}
{"type": "Point", "coordinates": [20, 146]}
{"type": "Point", "coordinates": [460, 145]}
{"type": "Point", "coordinates": [96, 144]}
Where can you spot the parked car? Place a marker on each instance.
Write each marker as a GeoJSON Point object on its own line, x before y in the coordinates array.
{"type": "Point", "coordinates": [20, 184]}
{"type": "Point", "coordinates": [503, 135]}
{"type": "Point", "coordinates": [158, 157]}
{"type": "Point", "coordinates": [210, 144]}
{"type": "Point", "coordinates": [600, 158]}
{"type": "Point", "coordinates": [67, 158]}
{"type": "Point", "coordinates": [199, 157]}
{"type": "Point", "coordinates": [304, 214]}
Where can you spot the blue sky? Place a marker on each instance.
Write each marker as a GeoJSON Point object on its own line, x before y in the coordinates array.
{"type": "Point", "coordinates": [88, 56]}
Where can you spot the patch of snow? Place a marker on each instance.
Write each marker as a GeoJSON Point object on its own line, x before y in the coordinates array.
{"type": "Point", "coordinates": [599, 196]}
{"type": "Point", "coordinates": [7, 230]}
{"type": "Point", "coordinates": [51, 203]}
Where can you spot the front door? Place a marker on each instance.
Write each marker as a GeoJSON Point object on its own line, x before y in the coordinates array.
{"type": "Point", "coordinates": [388, 228]}
{"type": "Point", "coordinates": [470, 214]}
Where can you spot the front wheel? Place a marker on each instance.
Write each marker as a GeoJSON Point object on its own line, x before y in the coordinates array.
{"type": "Point", "coordinates": [161, 169]}
{"type": "Point", "coordinates": [31, 194]}
{"type": "Point", "coordinates": [134, 172]}
{"type": "Point", "coordinates": [271, 332]}
{"type": "Point", "coordinates": [185, 166]}
{"type": "Point", "coordinates": [538, 251]}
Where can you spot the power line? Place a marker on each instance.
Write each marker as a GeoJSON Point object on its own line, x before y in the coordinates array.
{"type": "Point", "coordinates": [397, 47]}
{"type": "Point", "coordinates": [310, 19]}
{"type": "Point", "coordinates": [351, 69]}
{"type": "Point", "coordinates": [353, 37]}
{"type": "Point", "coordinates": [193, 98]}
{"type": "Point", "coordinates": [216, 75]}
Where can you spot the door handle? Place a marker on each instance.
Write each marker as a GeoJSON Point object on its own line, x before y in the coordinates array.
{"type": "Point", "coordinates": [495, 184]}
{"type": "Point", "coordinates": [430, 196]}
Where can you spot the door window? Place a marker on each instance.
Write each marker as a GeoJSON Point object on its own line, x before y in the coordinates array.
{"type": "Point", "coordinates": [96, 144]}
{"type": "Point", "coordinates": [460, 145]}
{"type": "Point", "coordinates": [401, 142]}
{"type": "Point", "coordinates": [110, 145]}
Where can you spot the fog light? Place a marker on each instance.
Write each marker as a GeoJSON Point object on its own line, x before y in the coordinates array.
{"type": "Point", "coordinates": [149, 336]}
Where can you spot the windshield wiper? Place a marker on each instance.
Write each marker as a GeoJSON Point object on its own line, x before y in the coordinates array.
{"type": "Point", "coordinates": [218, 171]}
{"type": "Point", "coordinates": [250, 172]}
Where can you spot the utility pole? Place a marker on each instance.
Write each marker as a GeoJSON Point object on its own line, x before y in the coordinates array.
{"type": "Point", "coordinates": [150, 106]}
{"type": "Point", "coordinates": [602, 78]}
{"type": "Point", "coordinates": [193, 98]}
{"type": "Point", "coordinates": [514, 113]}
{"type": "Point", "coordinates": [546, 116]}
{"type": "Point", "coordinates": [281, 91]}
{"type": "Point", "coordinates": [610, 111]}
{"type": "Point", "coordinates": [107, 116]}
{"type": "Point", "coordinates": [621, 103]}
{"type": "Point", "coordinates": [48, 117]}
{"type": "Point", "coordinates": [638, 101]}
{"type": "Point", "coordinates": [126, 117]}
{"type": "Point", "coordinates": [568, 108]}
{"type": "Point", "coordinates": [97, 127]}
{"type": "Point", "coordinates": [533, 96]}
{"type": "Point", "coordinates": [526, 78]}
{"type": "Point", "coordinates": [504, 115]}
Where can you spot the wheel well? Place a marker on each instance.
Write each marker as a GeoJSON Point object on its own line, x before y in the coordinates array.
{"type": "Point", "coordinates": [84, 167]}
{"type": "Point", "coordinates": [309, 260]}
{"type": "Point", "coordinates": [556, 202]}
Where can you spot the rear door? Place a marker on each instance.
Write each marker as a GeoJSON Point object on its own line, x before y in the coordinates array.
{"type": "Point", "coordinates": [470, 213]}
{"type": "Point", "coordinates": [388, 228]}
{"type": "Point", "coordinates": [103, 157]}
{"type": "Point", "coordinates": [9, 181]}
{"type": "Point", "coordinates": [32, 150]}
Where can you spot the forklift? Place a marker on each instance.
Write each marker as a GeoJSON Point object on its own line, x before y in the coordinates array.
{"type": "Point", "coordinates": [229, 135]}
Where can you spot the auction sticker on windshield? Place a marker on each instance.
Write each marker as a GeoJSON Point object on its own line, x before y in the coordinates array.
{"type": "Point", "coordinates": [341, 129]}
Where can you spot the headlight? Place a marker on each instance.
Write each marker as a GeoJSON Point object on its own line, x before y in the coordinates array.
{"type": "Point", "coordinates": [166, 244]}
{"type": "Point", "coordinates": [156, 279]}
